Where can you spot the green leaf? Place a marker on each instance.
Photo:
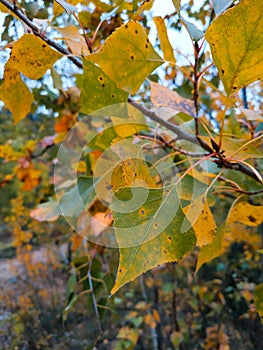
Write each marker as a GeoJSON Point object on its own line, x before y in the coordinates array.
{"type": "Point", "coordinates": [221, 5]}
{"type": "Point", "coordinates": [149, 234]}
{"type": "Point", "coordinates": [32, 56]}
{"type": "Point", "coordinates": [15, 95]}
{"type": "Point", "coordinates": [258, 298]}
{"type": "Point", "coordinates": [127, 57]}
{"type": "Point", "coordinates": [97, 90]}
{"type": "Point", "coordinates": [165, 44]}
{"type": "Point", "coordinates": [236, 41]}
{"type": "Point", "coordinates": [212, 250]}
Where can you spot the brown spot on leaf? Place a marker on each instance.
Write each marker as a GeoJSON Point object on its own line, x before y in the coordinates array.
{"type": "Point", "coordinates": [251, 218]}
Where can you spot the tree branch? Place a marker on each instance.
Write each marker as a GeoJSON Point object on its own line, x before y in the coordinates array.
{"type": "Point", "coordinates": [152, 115]}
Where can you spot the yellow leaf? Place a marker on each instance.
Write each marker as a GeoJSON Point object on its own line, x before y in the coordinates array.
{"type": "Point", "coordinates": [32, 56]}
{"type": "Point", "coordinates": [211, 251]}
{"type": "Point", "coordinates": [126, 127]}
{"type": "Point", "coordinates": [204, 226]}
{"type": "Point", "coordinates": [74, 40]}
{"type": "Point", "coordinates": [130, 334]}
{"type": "Point", "coordinates": [150, 321]}
{"type": "Point", "coordinates": [165, 44]}
{"type": "Point", "coordinates": [127, 57]}
{"type": "Point", "coordinates": [156, 316]}
{"type": "Point", "coordinates": [16, 95]}
{"type": "Point", "coordinates": [247, 214]}
{"type": "Point", "coordinates": [145, 6]}
{"type": "Point", "coordinates": [236, 41]}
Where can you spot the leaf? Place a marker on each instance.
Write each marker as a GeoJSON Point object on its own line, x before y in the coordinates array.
{"type": "Point", "coordinates": [251, 115]}
{"type": "Point", "coordinates": [71, 204]}
{"type": "Point", "coordinates": [47, 211]}
{"type": "Point", "coordinates": [15, 95]}
{"type": "Point", "coordinates": [148, 234]}
{"type": "Point", "coordinates": [145, 6]}
{"type": "Point", "coordinates": [74, 40]}
{"type": "Point", "coordinates": [236, 41]}
{"type": "Point", "coordinates": [177, 5]}
{"type": "Point", "coordinates": [195, 33]}
{"type": "Point", "coordinates": [127, 57]}
{"type": "Point", "coordinates": [67, 7]}
{"type": "Point", "coordinates": [164, 97]}
{"type": "Point", "coordinates": [164, 40]}
{"type": "Point", "coordinates": [130, 125]}
{"type": "Point", "coordinates": [221, 5]}
{"type": "Point", "coordinates": [212, 250]}
{"type": "Point", "coordinates": [32, 56]}
{"type": "Point", "coordinates": [203, 224]}
{"type": "Point", "coordinates": [230, 146]}
{"type": "Point", "coordinates": [258, 298]}
{"type": "Point", "coordinates": [247, 214]}
{"type": "Point", "coordinates": [97, 90]}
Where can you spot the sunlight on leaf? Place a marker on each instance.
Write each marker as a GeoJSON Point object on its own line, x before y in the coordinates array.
{"type": "Point", "coordinates": [127, 57]}
{"type": "Point", "coordinates": [236, 41]}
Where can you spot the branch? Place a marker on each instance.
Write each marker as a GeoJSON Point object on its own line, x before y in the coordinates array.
{"type": "Point", "coordinates": [220, 161]}
{"type": "Point", "coordinates": [35, 29]}
{"type": "Point", "coordinates": [174, 128]}
{"type": "Point", "coordinates": [153, 116]}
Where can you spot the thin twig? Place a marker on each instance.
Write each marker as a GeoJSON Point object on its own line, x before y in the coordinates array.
{"type": "Point", "coordinates": [196, 80]}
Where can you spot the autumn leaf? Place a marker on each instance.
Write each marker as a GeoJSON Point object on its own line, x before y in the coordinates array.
{"type": "Point", "coordinates": [162, 96]}
{"type": "Point", "coordinates": [247, 214]}
{"type": "Point", "coordinates": [149, 235]}
{"type": "Point", "coordinates": [16, 95]}
{"type": "Point", "coordinates": [212, 250]}
{"type": "Point", "coordinates": [203, 224]}
{"type": "Point", "coordinates": [74, 40]}
{"type": "Point", "coordinates": [165, 44]}
{"type": "Point", "coordinates": [32, 56]}
{"type": "Point", "coordinates": [236, 41]}
{"type": "Point", "coordinates": [145, 6]}
{"type": "Point", "coordinates": [97, 89]}
{"type": "Point", "coordinates": [127, 57]}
